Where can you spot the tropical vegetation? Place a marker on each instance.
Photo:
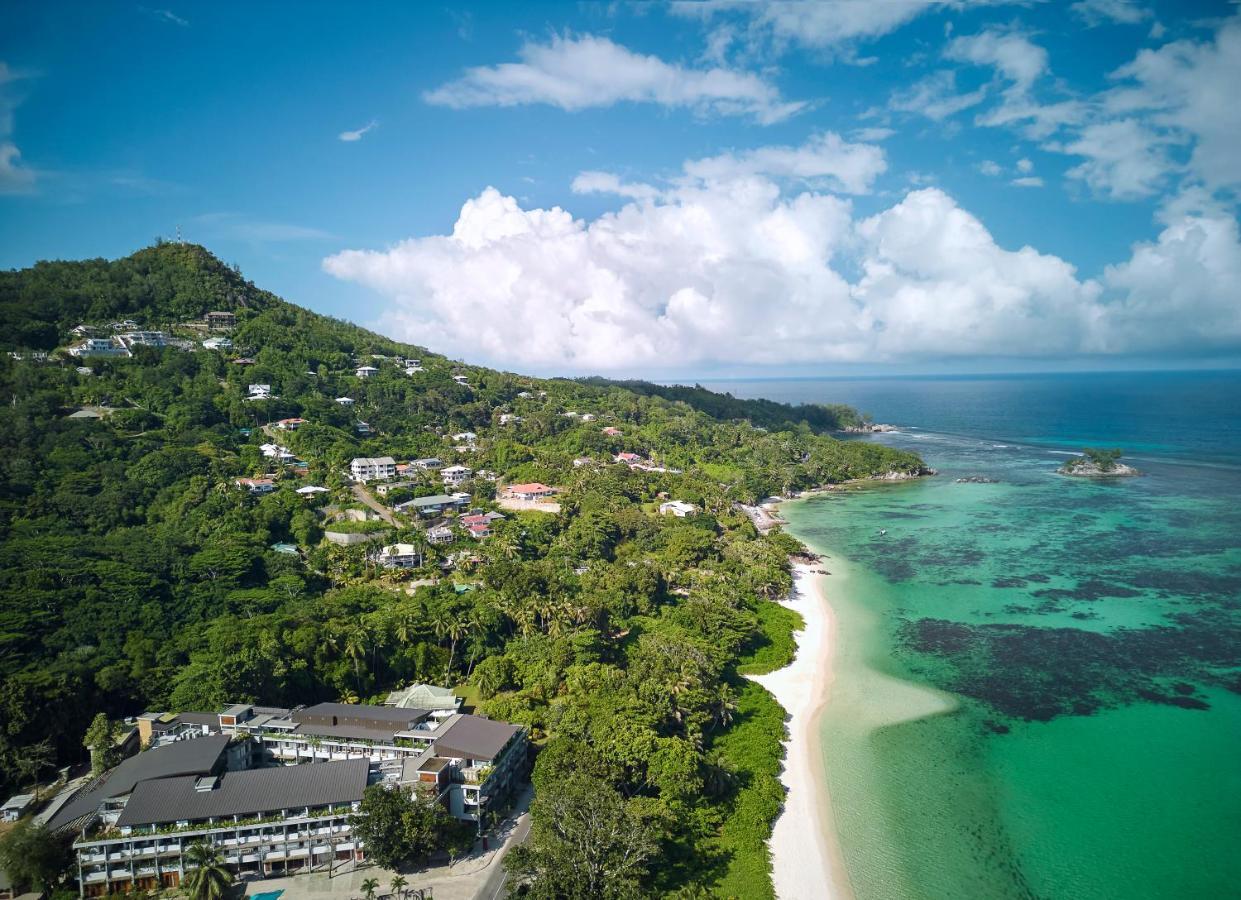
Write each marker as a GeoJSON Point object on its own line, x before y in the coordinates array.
{"type": "Point", "coordinates": [135, 574]}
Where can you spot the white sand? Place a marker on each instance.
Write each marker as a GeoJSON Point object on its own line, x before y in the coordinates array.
{"type": "Point", "coordinates": [805, 854]}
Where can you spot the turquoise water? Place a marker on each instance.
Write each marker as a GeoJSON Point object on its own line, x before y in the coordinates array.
{"type": "Point", "coordinates": [1038, 680]}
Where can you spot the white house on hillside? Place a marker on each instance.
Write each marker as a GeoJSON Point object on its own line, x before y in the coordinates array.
{"type": "Point", "coordinates": [455, 475]}
{"type": "Point", "coordinates": [368, 468]}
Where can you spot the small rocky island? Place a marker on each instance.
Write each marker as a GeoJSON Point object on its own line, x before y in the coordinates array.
{"type": "Point", "coordinates": [976, 479]}
{"type": "Point", "coordinates": [1094, 463]}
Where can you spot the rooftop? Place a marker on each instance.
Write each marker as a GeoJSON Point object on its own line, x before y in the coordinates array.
{"type": "Point", "coordinates": [247, 792]}
{"type": "Point", "coordinates": [189, 757]}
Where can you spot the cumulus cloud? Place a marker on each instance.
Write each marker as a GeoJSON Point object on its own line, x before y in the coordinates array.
{"type": "Point", "coordinates": [1179, 291]}
{"type": "Point", "coordinates": [351, 136]}
{"type": "Point", "coordinates": [1187, 88]}
{"type": "Point", "coordinates": [576, 73]}
{"type": "Point", "coordinates": [1125, 160]}
{"type": "Point", "coordinates": [743, 270]}
{"type": "Point", "coordinates": [1030, 181]}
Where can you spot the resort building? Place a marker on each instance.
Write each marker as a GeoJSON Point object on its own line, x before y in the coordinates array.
{"type": "Point", "coordinates": [365, 468]}
{"type": "Point", "coordinates": [259, 392]}
{"type": "Point", "coordinates": [345, 401]}
{"type": "Point", "coordinates": [220, 319]}
{"type": "Point", "coordinates": [428, 463]}
{"type": "Point", "coordinates": [218, 343]}
{"type": "Point", "coordinates": [274, 788]}
{"type": "Point", "coordinates": [366, 371]}
{"type": "Point", "coordinates": [290, 424]}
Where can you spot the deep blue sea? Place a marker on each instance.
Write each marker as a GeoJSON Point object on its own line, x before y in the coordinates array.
{"type": "Point", "coordinates": [1037, 686]}
{"type": "Point", "coordinates": [1190, 415]}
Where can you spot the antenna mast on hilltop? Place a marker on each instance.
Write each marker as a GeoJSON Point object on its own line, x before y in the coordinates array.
{"type": "Point", "coordinates": [179, 241]}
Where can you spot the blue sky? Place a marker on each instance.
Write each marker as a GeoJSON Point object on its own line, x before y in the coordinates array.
{"type": "Point", "coordinates": [711, 188]}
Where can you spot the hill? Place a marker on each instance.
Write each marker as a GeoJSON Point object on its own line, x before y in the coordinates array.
{"type": "Point", "coordinates": [139, 569]}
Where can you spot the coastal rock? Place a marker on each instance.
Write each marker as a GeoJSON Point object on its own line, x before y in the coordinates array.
{"type": "Point", "coordinates": [868, 428]}
{"type": "Point", "coordinates": [902, 476]}
{"type": "Point", "coordinates": [976, 479]}
{"type": "Point", "coordinates": [1086, 469]}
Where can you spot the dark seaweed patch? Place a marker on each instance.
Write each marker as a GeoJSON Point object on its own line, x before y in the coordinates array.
{"type": "Point", "coordinates": [1037, 674]}
{"type": "Point", "coordinates": [1088, 589]}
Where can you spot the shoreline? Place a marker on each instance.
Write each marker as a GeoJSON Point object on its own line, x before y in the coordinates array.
{"type": "Point", "coordinates": [805, 852]}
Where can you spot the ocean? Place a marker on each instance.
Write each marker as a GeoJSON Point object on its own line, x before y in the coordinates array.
{"type": "Point", "coordinates": [1038, 679]}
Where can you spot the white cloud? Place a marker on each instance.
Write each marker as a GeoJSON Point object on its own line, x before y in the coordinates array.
{"type": "Point", "coordinates": [1189, 88]}
{"type": "Point", "coordinates": [872, 133]}
{"type": "Point", "coordinates": [576, 73]}
{"type": "Point", "coordinates": [1125, 160]}
{"type": "Point", "coordinates": [1032, 181]}
{"type": "Point", "coordinates": [594, 182]}
{"type": "Point", "coordinates": [936, 96]}
{"type": "Point", "coordinates": [990, 168]}
{"type": "Point", "coordinates": [1024, 166]}
{"type": "Point", "coordinates": [1124, 12]}
{"type": "Point", "coordinates": [825, 159]}
{"type": "Point", "coordinates": [1179, 292]}
{"type": "Point", "coordinates": [14, 177]}
{"type": "Point", "coordinates": [742, 271]}
{"type": "Point", "coordinates": [166, 15]}
{"type": "Point", "coordinates": [812, 23]}
{"type": "Point", "coordinates": [1012, 54]}
{"type": "Point", "coordinates": [351, 136]}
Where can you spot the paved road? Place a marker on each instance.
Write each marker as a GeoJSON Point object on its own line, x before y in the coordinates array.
{"type": "Point", "coordinates": [363, 495]}
{"type": "Point", "coordinates": [496, 883]}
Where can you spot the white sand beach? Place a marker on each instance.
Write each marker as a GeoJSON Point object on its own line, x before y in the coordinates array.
{"type": "Point", "coordinates": [805, 854]}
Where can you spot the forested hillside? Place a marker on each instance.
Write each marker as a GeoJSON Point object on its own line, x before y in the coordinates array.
{"type": "Point", "coordinates": [135, 574]}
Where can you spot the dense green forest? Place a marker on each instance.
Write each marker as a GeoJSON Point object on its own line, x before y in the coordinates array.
{"type": "Point", "coordinates": [822, 417]}
{"type": "Point", "coordinates": [135, 575]}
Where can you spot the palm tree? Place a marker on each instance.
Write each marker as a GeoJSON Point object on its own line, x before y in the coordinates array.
{"type": "Point", "coordinates": [369, 886]}
{"type": "Point", "coordinates": [398, 883]}
{"type": "Point", "coordinates": [209, 879]}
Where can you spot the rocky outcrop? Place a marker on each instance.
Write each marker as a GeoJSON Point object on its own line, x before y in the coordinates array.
{"type": "Point", "coordinates": [895, 475]}
{"type": "Point", "coordinates": [976, 479]}
{"type": "Point", "coordinates": [868, 428]}
{"type": "Point", "coordinates": [1084, 468]}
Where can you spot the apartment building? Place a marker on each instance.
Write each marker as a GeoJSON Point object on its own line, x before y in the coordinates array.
{"type": "Point", "coordinates": [377, 468]}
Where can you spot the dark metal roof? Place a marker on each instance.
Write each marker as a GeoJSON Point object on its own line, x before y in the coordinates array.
{"type": "Point", "coordinates": [473, 737]}
{"type": "Point", "coordinates": [357, 715]}
{"type": "Point", "coordinates": [197, 756]}
{"type": "Point", "coordinates": [247, 793]}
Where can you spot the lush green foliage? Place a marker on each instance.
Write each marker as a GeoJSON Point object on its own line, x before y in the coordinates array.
{"type": "Point", "coordinates": [135, 575]}
{"type": "Point", "coordinates": [207, 877]}
{"type": "Point", "coordinates": [822, 417]}
{"type": "Point", "coordinates": [399, 828]}
{"type": "Point", "coordinates": [33, 857]}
